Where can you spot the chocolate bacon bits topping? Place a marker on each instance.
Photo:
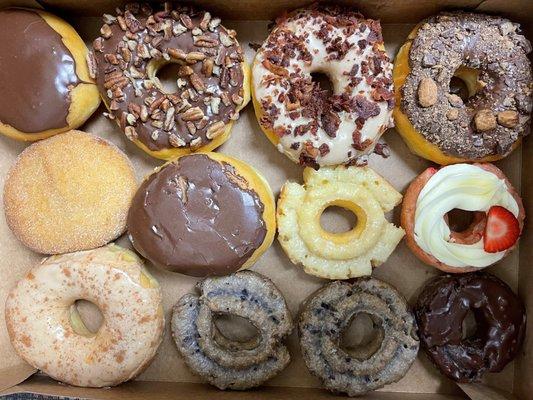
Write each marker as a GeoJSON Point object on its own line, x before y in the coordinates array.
{"type": "Point", "coordinates": [210, 62]}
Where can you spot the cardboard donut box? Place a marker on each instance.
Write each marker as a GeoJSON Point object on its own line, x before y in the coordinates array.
{"type": "Point", "coordinates": [167, 377]}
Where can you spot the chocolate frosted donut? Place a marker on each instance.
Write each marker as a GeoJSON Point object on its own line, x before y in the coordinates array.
{"type": "Point", "coordinates": [490, 55]}
{"type": "Point", "coordinates": [46, 88]}
{"type": "Point", "coordinates": [212, 81]}
{"type": "Point", "coordinates": [328, 313]}
{"type": "Point", "coordinates": [500, 318]}
{"type": "Point", "coordinates": [203, 214]}
{"type": "Point", "coordinates": [226, 363]}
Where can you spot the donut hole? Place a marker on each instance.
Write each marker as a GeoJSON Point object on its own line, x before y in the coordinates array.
{"type": "Point", "coordinates": [363, 336]}
{"type": "Point", "coordinates": [469, 326]}
{"type": "Point", "coordinates": [234, 332]}
{"type": "Point", "coordinates": [336, 219]}
{"type": "Point", "coordinates": [323, 82]}
{"type": "Point", "coordinates": [165, 77]}
{"type": "Point", "coordinates": [459, 220]}
{"type": "Point", "coordinates": [86, 318]}
{"type": "Point", "coordinates": [465, 83]}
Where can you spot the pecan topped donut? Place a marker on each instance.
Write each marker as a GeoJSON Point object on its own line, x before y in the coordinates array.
{"type": "Point", "coordinates": [211, 84]}
{"type": "Point", "coordinates": [490, 56]}
{"type": "Point", "coordinates": [310, 126]}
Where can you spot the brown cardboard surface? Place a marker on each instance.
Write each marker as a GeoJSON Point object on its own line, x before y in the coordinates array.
{"type": "Point", "coordinates": [403, 269]}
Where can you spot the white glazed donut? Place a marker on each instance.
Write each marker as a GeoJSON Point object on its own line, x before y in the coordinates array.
{"type": "Point", "coordinates": [306, 124]}
{"type": "Point", "coordinates": [46, 329]}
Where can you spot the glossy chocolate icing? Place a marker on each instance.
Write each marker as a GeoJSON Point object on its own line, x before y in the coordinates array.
{"type": "Point", "coordinates": [500, 324]}
{"type": "Point", "coordinates": [193, 217]}
{"type": "Point", "coordinates": [37, 72]}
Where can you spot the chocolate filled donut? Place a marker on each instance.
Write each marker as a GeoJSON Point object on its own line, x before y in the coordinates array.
{"type": "Point", "coordinates": [225, 363]}
{"type": "Point", "coordinates": [46, 88]}
{"type": "Point", "coordinates": [500, 319]}
{"type": "Point", "coordinates": [203, 214]}
{"type": "Point", "coordinates": [212, 77]}
{"type": "Point", "coordinates": [328, 313]}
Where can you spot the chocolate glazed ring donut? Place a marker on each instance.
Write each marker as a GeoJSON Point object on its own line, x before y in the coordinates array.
{"type": "Point", "coordinates": [491, 57]}
{"type": "Point", "coordinates": [328, 313]}
{"type": "Point", "coordinates": [500, 324]}
{"type": "Point", "coordinates": [222, 362]}
{"type": "Point", "coordinates": [212, 82]}
{"type": "Point", "coordinates": [203, 214]}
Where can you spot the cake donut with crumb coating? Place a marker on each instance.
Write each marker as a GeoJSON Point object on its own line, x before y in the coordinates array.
{"type": "Point", "coordinates": [307, 124]}
{"type": "Point", "coordinates": [47, 331]}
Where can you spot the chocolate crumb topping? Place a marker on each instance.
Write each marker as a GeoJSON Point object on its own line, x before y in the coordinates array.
{"type": "Point", "coordinates": [37, 73]}
{"type": "Point", "coordinates": [494, 47]}
{"type": "Point", "coordinates": [195, 217]}
{"type": "Point", "coordinates": [135, 43]}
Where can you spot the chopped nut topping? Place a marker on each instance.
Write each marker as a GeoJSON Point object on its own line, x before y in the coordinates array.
{"type": "Point", "coordinates": [194, 56]}
{"type": "Point", "coordinates": [106, 31]}
{"type": "Point", "coordinates": [175, 141]}
{"type": "Point", "coordinates": [192, 114]}
{"type": "Point", "coordinates": [508, 118]}
{"type": "Point", "coordinates": [485, 120]}
{"type": "Point", "coordinates": [427, 92]}
{"type": "Point", "coordinates": [215, 130]}
{"type": "Point", "coordinates": [91, 64]}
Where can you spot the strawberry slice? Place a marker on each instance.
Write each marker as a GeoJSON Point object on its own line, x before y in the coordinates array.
{"type": "Point", "coordinates": [502, 230]}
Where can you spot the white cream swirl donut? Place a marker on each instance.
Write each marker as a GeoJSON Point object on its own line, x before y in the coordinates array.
{"type": "Point", "coordinates": [302, 120]}
{"type": "Point", "coordinates": [47, 331]}
{"type": "Point", "coordinates": [431, 196]}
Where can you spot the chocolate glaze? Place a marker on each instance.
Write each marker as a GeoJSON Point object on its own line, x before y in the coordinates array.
{"type": "Point", "coordinates": [37, 72]}
{"type": "Point", "coordinates": [193, 217]}
{"type": "Point", "coordinates": [150, 36]}
{"type": "Point", "coordinates": [500, 324]}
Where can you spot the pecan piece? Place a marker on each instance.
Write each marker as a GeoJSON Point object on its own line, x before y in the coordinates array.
{"type": "Point", "coordinates": [215, 130]}
{"type": "Point", "coordinates": [508, 118]}
{"type": "Point", "coordinates": [485, 120]}
{"type": "Point", "coordinates": [192, 114]}
{"type": "Point", "coordinates": [427, 92]}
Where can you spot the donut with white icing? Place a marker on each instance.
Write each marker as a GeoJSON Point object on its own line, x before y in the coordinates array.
{"type": "Point", "coordinates": [47, 331]}
{"type": "Point", "coordinates": [305, 123]}
{"type": "Point", "coordinates": [471, 187]}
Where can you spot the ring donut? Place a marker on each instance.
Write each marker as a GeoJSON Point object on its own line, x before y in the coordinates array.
{"type": "Point", "coordinates": [303, 121]}
{"type": "Point", "coordinates": [47, 331]}
{"type": "Point", "coordinates": [46, 87]}
{"type": "Point", "coordinates": [328, 313]}
{"type": "Point", "coordinates": [434, 193]}
{"type": "Point", "coordinates": [205, 198]}
{"type": "Point", "coordinates": [500, 318]}
{"type": "Point", "coordinates": [222, 362]}
{"type": "Point", "coordinates": [338, 255]}
{"type": "Point", "coordinates": [491, 57]}
{"type": "Point", "coordinates": [212, 84]}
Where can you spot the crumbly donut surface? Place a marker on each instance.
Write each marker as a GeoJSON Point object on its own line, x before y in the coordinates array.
{"type": "Point", "coordinates": [495, 118]}
{"type": "Point", "coordinates": [306, 123]}
{"type": "Point", "coordinates": [136, 42]}
{"type": "Point", "coordinates": [46, 330]}
{"type": "Point", "coordinates": [222, 362]}
{"type": "Point", "coordinates": [328, 313]}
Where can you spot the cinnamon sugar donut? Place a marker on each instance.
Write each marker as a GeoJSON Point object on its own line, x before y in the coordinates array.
{"type": "Point", "coordinates": [68, 193]}
{"type": "Point", "coordinates": [212, 81]}
{"type": "Point", "coordinates": [304, 122]}
{"type": "Point", "coordinates": [47, 331]}
{"type": "Point", "coordinates": [434, 193]}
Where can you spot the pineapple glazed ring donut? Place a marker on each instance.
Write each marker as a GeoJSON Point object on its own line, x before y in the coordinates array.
{"type": "Point", "coordinates": [47, 331]}
{"type": "Point", "coordinates": [338, 255]}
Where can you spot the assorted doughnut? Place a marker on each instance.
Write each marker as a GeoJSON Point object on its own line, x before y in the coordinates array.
{"type": "Point", "coordinates": [309, 125]}
{"type": "Point", "coordinates": [338, 255]}
{"type": "Point", "coordinates": [460, 93]}
{"type": "Point", "coordinates": [490, 56]}
{"type": "Point", "coordinates": [212, 84]}
{"type": "Point", "coordinates": [225, 363]}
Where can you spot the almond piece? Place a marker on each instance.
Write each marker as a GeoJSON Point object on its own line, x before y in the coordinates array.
{"type": "Point", "coordinates": [485, 120]}
{"type": "Point", "coordinates": [427, 92]}
{"type": "Point", "coordinates": [508, 118]}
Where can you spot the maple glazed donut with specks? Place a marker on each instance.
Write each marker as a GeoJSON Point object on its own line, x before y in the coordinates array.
{"type": "Point", "coordinates": [47, 331]}
{"type": "Point", "coordinates": [212, 82]}
{"type": "Point", "coordinates": [303, 121]}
